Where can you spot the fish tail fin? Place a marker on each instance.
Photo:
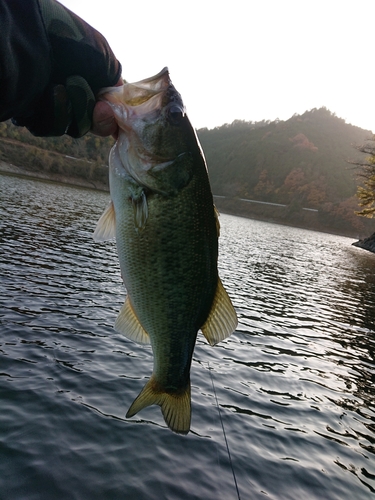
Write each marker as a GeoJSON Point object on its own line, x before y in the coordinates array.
{"type": "Point", "coordinates": [175, 407]}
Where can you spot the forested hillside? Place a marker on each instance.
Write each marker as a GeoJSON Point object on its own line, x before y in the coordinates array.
{"type": "Point", "coordinates": [300, 163]}
{"type": "Point", "coordinates": [85, 158]}
{"type": "Point", "coordinates": [304, 157]}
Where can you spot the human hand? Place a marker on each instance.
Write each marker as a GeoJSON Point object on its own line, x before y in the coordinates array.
{"type": "Point", "coordinates": [103, 118]}
{"type": "Point", "coordinates": [81, 64]}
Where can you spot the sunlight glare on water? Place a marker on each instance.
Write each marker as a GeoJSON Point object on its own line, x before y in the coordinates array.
{"type": "Point", "coordinates": [295, 382]}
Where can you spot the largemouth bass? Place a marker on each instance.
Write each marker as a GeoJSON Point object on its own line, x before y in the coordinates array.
{"type": "Point", "coordinates": [166, 227]}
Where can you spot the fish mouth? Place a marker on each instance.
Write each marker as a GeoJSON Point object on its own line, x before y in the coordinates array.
{"type": "Point", "coordinates": [139, 107]}
{"type": "Point", "coordinates": [138, 93]}
{"type": "Point", "coordinates": [154, 82]}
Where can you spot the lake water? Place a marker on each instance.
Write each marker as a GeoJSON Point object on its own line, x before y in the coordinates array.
{"type": "Point", "coordinates": [294, 384]}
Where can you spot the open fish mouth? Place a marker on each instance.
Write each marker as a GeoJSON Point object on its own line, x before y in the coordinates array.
{"type": "Point", "coordinates": [138, 93]}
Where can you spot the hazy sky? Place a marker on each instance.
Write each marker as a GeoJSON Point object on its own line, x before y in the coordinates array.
{"type": "Point", "coordinates": [248, 59]}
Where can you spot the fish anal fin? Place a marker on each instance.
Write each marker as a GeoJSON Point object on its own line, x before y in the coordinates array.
{"type": "Point", "coordinates": [128, 324]}
{"type": "Point", "coordinates": [175, 407]}
{"type": "Point", "coordinates": [106, 226]}
{"type": "Point", "coordinates": [222, 320]}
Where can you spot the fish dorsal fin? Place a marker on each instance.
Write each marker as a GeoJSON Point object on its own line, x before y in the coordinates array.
{"type": "Point", "coordinates": [106, 226]}
{"type": "Point", "coordinates": [128, 324]}
{"type": "Point", "coordinates": [222, 320]}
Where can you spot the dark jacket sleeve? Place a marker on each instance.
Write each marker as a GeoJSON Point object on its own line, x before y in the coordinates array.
{"type": "Point", "coordinates": [52, 64]}
{"type": "Point", "coordinates": [25, 56]}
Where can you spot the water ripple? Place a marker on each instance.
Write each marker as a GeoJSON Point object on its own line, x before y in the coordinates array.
{"type": "Point", "coordinates": [294, 384]}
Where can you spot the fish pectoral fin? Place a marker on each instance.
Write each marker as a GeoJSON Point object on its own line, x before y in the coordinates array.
{"type": "Point", "coordinates": [175, 407]}
{"type": "Point", "coordinates": [140, 208]}
{"type": "Point", "coordinates": [106, 226]}
{"type": "Point", "coordinates": [222, 320]}
{"type": "Point", "coordinates": [128, 324]}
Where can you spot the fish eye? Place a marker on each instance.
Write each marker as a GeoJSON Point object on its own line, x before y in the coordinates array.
{"type": "Point", "coordinates": [175, 114]}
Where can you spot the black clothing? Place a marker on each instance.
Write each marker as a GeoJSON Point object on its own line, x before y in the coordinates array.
{"type": "Point", "coordinates": [52, 64]}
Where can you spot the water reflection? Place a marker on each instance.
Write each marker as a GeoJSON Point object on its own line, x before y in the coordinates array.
{"type": "Point", "coordinates": [295, 383]}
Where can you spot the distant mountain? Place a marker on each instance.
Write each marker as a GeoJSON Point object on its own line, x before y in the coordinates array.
{"type": "Point", "coordinates": [296, 169]}
{"type": "Point", "coordinates": [301, 163]}
{"type": "Point", "coordinates": [304, 157]}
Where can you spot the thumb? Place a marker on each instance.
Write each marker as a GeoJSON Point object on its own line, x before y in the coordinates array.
{"type": "Point", "coordinates": [103, 120]}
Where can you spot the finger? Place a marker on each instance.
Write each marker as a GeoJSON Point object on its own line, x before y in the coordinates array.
{"type": "Point", "coordinates": [120, 82]}
{"type": "Point", "coordinates": [103, 120]}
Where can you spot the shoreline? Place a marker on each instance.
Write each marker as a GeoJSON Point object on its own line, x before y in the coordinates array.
{"type": "Point", "coordinates": [10, 169]}
{"type": "Point", "coordinates": [366, 244]}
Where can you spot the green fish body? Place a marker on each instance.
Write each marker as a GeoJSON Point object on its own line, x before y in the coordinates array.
{"type": "Point", "coordinates": [166, 228]}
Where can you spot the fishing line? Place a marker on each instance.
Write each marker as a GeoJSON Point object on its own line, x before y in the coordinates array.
{"type": "Point", "coordinates": [225, 436]}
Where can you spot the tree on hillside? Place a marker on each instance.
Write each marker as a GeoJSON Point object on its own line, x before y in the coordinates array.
{"type": "Point", "coordinates": [366, 193]}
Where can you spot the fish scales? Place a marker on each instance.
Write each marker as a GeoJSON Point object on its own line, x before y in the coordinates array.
{"type": "Point", "coordinates": [163, 217]}
{"type": "Point", "coordinates": [171, 275]}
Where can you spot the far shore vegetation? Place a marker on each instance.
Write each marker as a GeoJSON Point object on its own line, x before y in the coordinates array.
{"type": "Point", "coordinates": [313, 170]}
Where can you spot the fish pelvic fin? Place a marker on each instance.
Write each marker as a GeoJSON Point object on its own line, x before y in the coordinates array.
{"type": "Point", "coordinates": [222, 320]}
{"type": "Point", "coordinates": [175, 407]}
{"type": "Point", "coordinates": [106, 226]}
{"type": "Point", "coordinates": [128, 324]}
